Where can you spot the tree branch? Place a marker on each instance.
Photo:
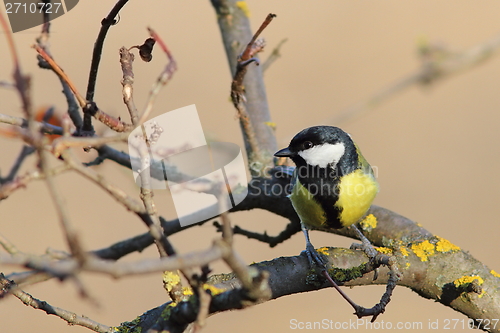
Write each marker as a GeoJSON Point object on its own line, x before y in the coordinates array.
{"type": "Point", "coordinates": [236, 33]}
{"type": "Point", "coordinates": [291, 275]}
{"type": "Point", "coordinates": [106, 23]}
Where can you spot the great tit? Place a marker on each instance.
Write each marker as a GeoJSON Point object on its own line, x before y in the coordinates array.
{"type": "Point", "coordinates": [333, 184]}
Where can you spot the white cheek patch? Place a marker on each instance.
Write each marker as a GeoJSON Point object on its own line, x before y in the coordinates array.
{"type": "Point", "coordinates": [323, 155]}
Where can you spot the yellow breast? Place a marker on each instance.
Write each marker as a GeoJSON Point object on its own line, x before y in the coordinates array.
{"type": "Point", "coordinates": [356, 193]}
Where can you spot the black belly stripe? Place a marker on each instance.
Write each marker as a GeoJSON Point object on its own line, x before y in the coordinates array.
{"type": "Point", "coordinates": [325, 192]}
{"type": "Point", "coordinates": [332, 212]}
{"type": "Point", "coordinates": [323, 184]}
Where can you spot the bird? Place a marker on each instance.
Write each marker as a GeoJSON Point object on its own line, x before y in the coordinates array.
{"type": "Point", "coordinates": [333, 185]}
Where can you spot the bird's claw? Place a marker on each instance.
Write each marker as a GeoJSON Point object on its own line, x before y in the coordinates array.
{"type": "Point", "coordinates": [315, 259]}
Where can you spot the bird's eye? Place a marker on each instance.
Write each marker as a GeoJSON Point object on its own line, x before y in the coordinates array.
{"type": "Point", "coordinates": [308, 144]}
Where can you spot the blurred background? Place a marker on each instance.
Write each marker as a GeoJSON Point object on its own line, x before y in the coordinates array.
{"type": "Point", "coordinates": [435, 148]}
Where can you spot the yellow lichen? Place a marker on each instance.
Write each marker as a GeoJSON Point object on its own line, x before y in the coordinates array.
{"type": "Point", "coordinates": [384, 250]}
{"type": "Point", "coordinates": [323, 251]}
{"type": "Point", "coordinates": [369, 222]}
{"type": "Point", "coordinates": [271, 124]}
{"type": "Point", "coordinates": [187, 291]}
{"type": "Point", "coordinates": [460, 282]}
{"type": "Point", "coordinates": [408, 265]}
{"type": "Point", "coordinates": [170, 279]}
{"type": "Point", "coordinates": [213, 289]}
{"type": "Point", "coordinates": [244, 7]}
{"type": "Point", "coordinates": [495, 274]}
{"type": "Point", "coordinates": [444, 245]}
{"type": "Point", "coordinates": [466, 279]}
{"type": "Point", "coordinates": [404, 251]}
{"type": "Point", "coordinates": [423, 250]}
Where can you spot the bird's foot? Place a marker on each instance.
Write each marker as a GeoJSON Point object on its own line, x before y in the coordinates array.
{"type": "Point", "coordinates": [315, 259]}
{"type": "Point", "coordinates": [367, 248]}
{"type": "Point", "coordinates": [365, 245]}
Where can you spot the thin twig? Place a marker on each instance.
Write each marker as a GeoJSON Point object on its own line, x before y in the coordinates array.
{"type": "Point", "coordinates": [433, 68]}
{"type": "Point", "coordinates": [254, 281]}
{"type": "Point", "coordinates": [114, 123]}
{"type": "Point", "coordinates": [25, 152]}
{"type": "Point", "coordinates": [21, 82]}
{"type": "Point", "coordinates": [42, 40]}
{"type": "Point", "coordinates": [275, 55]}
{"type": "Point", "coordinates": [204, 308]}
{"type": "Point", "coordinates": [290, 230]}
{"type": "Point", "coordinates": [106, 23]}
{"type": "Point", "coordinates": [69, 267]}
{"type": "Point", "coordinates": [120, 195]}
{"type": "Point", "coordinates": [73, 109]}
{"type": "Point", "coordinates": [227, 231]}
{"type": "Point", "coordinates": [70, 233]}
{"type": "Point", "coordinates": [21, 182]}
{"type": "Point", "coordinates": [45, 33]}
{"type": "Point", "coordinates": [250, 49]}
{"type": "Point", "coordinates": [126, 61]}
{"type": "Point", "coordinates": [6, 84]}
{"type": "Point", "coordinates": [70, 317]}
{"type": "Point", "coordinates": [55, 67]}
{"type": "Point", "coordinates": [89, 108]}
{"type": "Point", "coordinates": [63, 143]}
{"type": "Point", "coordinates": [173, 284]}
{"type": "Point", "coordinates": [163, 79]}
{"type": "Point", "coordinates": [238, 95]}
{"type": "Point", "coordinates": [155, 227]}
{"type": "Point", "coordinates": [8, 245]}
{"type": "Point", "coordinates": [40, 126]}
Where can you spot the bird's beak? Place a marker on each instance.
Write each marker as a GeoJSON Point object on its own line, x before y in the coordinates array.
{"type": "Point", "coordinates": [285, 152]}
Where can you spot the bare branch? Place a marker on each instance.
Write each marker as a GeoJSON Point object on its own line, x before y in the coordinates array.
{"type": "Point", "coordinates": [21, 82]}
{"type": "Point", "coordinates": [55, 67]}
{"type": "Point", "coordinates": [130, 203]}
{"type": "Point", "coordinates": [275, 55]}
{"type": "Point", "coordinates": [238, 93]}
{"type": "Point", "coordinates": [89, 108]}
{"type": "Point", "coordinates": [21, 182]}
{"type": "Point", "coordinates": [70, 266]}
{"type": "Point", "coordinates": [236, 32]}
{"type": "Point", "coordinates": [25, 152]}
{"type": "Point", "coordinates": [70, 233]}
{"type": "Point", "coordinates": [106, 23]}
{"type": "Point", "coordinates": [436, 64]}
{"type": "Point", "coordinates": [42, 41]}
{"type": "Point", "coordinates": [21, 122]}
{"type": "Point", "coordinates": [70, 317]}
{"type": "Point", "coordinates": [7, 245]}
{"type": "Point", "coordinates": [64, 143]}
{"type": "Point", "coordinates": [164, 77]}
{"type": "Point", "coordinates": [126, 61]}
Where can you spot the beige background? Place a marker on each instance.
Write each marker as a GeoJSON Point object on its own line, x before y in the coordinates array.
{"type": "Point", "coordinates": [435, 148]}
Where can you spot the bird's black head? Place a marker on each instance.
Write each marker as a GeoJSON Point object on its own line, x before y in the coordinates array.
{"type": "Point", "coordinates": [321, 146]}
